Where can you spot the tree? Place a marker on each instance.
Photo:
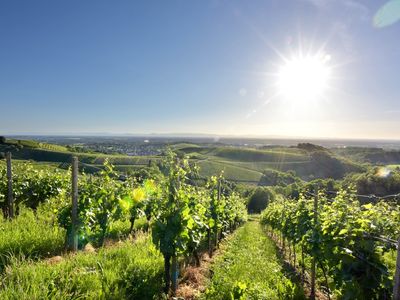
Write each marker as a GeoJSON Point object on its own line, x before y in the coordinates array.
{"type": "Point", "coordinates": [259, 200]}
{"type": "Point", "coordinates": [2, 139]}
{"type": "Point", "coordinates": [310, 147]}
{"type": "Point", "coordinates": [272, 178]}
{"type": "Point", "coordinates": [378, 181]}
{"type": "Point", "coordinates": [325, 165]}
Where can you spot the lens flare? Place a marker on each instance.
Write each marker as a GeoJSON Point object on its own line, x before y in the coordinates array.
{"type": "Point", "coordinates": [388, 14]}
{"type": "Point", "coordinates": [383, 172]}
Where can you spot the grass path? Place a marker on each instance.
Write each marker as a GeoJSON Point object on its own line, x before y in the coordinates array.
{"type": "Point", "coordinates": [249, 268]}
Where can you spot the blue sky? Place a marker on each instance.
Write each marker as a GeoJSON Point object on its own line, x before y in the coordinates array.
{"type": "Point", "coordinates": [195, 66]}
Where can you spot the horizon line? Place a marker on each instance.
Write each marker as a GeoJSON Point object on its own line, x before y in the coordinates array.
{"type": "Point", "coordinates": [193, 135]}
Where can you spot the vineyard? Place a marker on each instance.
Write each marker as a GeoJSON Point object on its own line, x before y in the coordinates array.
{"type": "Point", "coordinates": [352, 245]}
{"type": "Point", "coordinates": [179, 219]}
{"type": "Point", "coordinates": [68, 235]}
{"type": "Point", "coordinates": [200, 150]}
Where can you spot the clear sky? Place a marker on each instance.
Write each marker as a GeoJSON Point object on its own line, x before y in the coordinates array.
{"type": "Point", "coordinates": [197, 67]}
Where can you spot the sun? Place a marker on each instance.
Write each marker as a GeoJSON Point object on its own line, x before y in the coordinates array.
{"type": "Point", "coordinates": [304, 78]}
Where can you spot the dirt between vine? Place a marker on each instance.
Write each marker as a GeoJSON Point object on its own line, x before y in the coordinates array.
{"type": "Point", "coordinates": [194, 279]}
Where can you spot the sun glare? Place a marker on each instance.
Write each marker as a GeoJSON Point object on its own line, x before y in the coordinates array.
{"type": "Point", "coordinates": [304, 78]}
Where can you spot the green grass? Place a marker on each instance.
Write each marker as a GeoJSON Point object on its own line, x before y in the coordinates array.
{"type": "Point", "coordinates": [91, 162]}
{"type": "Point", "coordinates": [262, 166]}
{"type": "Point", "coordinates": [254, 155]}
{"type": "Point", "coordinates": [184, 146]}
{"type": "Point", "coordinates": [393, 167]}
{"type": "Point", "coordinates": [278, 154]}
{"type": "Point", "coordinates": [260, 160]}
{"type": "Point", "coordinates": [37, 235]}
{"type": "Point", "coordinates": [29, 236]}
{"type": "Point", "coordinates": [126, 168]}
{"type": "Point", "coordinates": [231, 172]}
{"type": "Point", "coordinates": [35, 144]}
{"type": "Point", "coordinates": [55, 153]}
{"type": "Point", "coordinates": [120, 229]}
{"type": "Point", "coordinates": [240, 164]}
{"type": "Point", "coordinates": [88, 158]}
{"type": "Point", "coordinates": [39, 165]}
{"type": "Point", "coordinates": [249, 171]}
{"type": "Point", "coordinates": [249, 267]}
{"type": "Point", "coordinates": [130, 270]}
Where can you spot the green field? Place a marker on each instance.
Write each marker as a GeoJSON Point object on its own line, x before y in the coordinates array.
{"type": "Point", "coordinates": [231, 171]}
{"type": "Point", "coordinates": [118, 262]}
{"type": "Point", "coordinates": [38, 145]}
{"type": "Point", "coordinates": [59, 155]}
{"type": "Point", "coordinates": [248, 165]}
{"type": "Point", "coordinates": [249, 267]}
{"type": "Point", "coordinates": [238, 163]}
{"type": "Point", "coordinates": [115, 256]}
{"type": "Point", "coordinates": [129, 270]}
{"type": "Point", "coordinates": [255, 155]}
{"type": "Point", "coordinates": [393, 167]}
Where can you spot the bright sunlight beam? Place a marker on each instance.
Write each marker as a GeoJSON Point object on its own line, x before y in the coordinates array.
{"type": "Point", "coordinates": [305, 78]}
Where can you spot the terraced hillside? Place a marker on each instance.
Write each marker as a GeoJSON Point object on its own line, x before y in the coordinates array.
{"type": "Point", "coordinates": [240, 164]}
{"type": "Point", "coordinates": [370, 155]}
{"type": "Point", "coordinates": [92, 162]}
{"type": "Point", "coordinates": [249, 165]}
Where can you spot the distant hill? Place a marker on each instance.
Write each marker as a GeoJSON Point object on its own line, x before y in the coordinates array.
{"type": "Point", "coordinates": [91, 162]}
{"type": "Point", "coordinates": [240, 164]}
{"type": "Point", "coordinates": [306, 161]}
{"type": "Point", "coordinates": [370, 155]}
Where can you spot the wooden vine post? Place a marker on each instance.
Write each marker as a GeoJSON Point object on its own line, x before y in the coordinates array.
{"type": "Point", "coordinates": [10, 197]}
{"type": "Point", "coordinates": [396, 284]}
{"type": "Point", "coordinates": [210, 243]}
{"type": "Point", "coordinates": [303, 271]}
{"type": "Point", "coordinates": [314, 259]}
{"type": "Point", "coordinates": [74, 211]}
{"type": "Point", "coordinates": [218, 200]}
{"type": "Point", "coordinates": [174, 259]}
{"type": "Point", "coordinates": [175, 274]}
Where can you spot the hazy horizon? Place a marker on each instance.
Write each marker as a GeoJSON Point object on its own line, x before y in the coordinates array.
{"type": "Point", "coordinates": [194, 135]}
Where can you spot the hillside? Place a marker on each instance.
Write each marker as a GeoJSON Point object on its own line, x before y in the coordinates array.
{"type": "Point", "coordinates": [370, 155]}
{"type": "Point", "coordinates": [239, 164]}
{"type": "Point", "coordinates": [246, 164]}
{"type": "Point", "coordinates": [92, 162]}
